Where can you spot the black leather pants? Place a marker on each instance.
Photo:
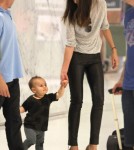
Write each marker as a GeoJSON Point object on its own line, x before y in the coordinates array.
{"type": "Point", "coordinates": [89, 64]}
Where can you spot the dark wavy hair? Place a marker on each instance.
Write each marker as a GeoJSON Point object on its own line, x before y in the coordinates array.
{"type": "Point", "coordinates": [78, 13]}
{"type": "Point", "coordinates": [30, 83]}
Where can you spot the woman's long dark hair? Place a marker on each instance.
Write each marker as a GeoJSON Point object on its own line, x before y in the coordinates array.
{"type": "Point", "coordinates": [78, 13]}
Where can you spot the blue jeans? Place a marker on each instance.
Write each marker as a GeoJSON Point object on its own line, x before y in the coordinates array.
{"type": "Point", "coordinates": [128, 111]}
{"type": "Point", "coordinates": [91, 66]}
{"type": "Point", "coordinates": [33, 137]}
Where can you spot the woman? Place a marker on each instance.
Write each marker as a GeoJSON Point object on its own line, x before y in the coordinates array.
{"type": "Point", "coordinates": [84, 20]}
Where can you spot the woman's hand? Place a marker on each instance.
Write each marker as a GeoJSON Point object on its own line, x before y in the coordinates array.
{"type": "Point", "coordinates": [64, 83]}
{"type": "Point", "coordinates": [114, 59]}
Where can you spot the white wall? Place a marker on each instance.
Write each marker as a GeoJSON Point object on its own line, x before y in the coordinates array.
{"type": "Point", "coordinates": [41, 38]}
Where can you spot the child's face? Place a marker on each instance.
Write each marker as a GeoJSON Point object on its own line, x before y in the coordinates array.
{"type": "Point", "coordinates": [39, 87]}
{"type": "Point", "coordinates": [130, 2]}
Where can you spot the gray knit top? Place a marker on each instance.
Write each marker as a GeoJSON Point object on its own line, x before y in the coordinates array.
{"type": "Point", "coordinates": [89, 42]}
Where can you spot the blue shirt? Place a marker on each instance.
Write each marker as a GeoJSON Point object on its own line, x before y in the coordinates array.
{"type": "Point", "coordinates": [129, 33]}
{"type": "Point", "coordinates": [10, 61]}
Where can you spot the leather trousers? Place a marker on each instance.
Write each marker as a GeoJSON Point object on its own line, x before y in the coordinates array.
{"type": "Point", "coordinates": [91, 66]}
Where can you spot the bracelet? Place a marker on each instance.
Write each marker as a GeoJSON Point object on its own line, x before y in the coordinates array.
{"type": "Point", "coordinates": [113, 48]}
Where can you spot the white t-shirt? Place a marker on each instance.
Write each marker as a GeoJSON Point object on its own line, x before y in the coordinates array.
{"type": "Point", "coordinates": [89, 42]}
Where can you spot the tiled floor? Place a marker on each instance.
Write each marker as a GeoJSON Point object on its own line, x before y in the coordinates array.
{"type": "Point", "coordinates": [56, 136]}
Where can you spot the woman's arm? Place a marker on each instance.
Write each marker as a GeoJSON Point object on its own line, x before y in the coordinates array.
{"type": "Point", "coordinates": [108, 36]}
{"type": "Point", "coordinates": [70, 44]}
{"type": "Point", "coordinates": [66, 62]}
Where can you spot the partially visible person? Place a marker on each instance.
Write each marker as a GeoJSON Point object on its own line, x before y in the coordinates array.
{"type": "Point", "coordinates": [84, 20]}
{"type": "Point", "coordinates": [37, 106]}
{"type": "Point", "coordinates": [10, 72]}
{"type": "Point", "coordinates": [127, 77]}
{"type": "Point", "coordinates": [128, 6]}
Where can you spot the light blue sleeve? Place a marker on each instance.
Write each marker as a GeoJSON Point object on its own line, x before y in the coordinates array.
{"type": "Point", "coordinates": [1, 30]}
{"type": "Point", "coordinates": [1, 25]}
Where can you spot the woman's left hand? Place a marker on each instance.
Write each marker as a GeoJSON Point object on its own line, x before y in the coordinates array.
{"type": "Point", "coordinates": [114, 59]}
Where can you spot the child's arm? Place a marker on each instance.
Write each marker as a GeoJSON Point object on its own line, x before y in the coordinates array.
{"type": "Point", "coordinates": [22, 110]}
{"type": "Point", "coordinates": [61, 90]}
